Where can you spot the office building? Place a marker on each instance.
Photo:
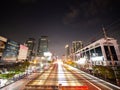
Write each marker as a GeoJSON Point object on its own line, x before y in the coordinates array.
{"type": "Point", "coordinates": [42, 45]}
{"type": "Point", "coordinates": [67, 51]}
{"type": "Point", "coordinates": [76, 45]}
{"type": "Point", "coordinates": [30, 43]}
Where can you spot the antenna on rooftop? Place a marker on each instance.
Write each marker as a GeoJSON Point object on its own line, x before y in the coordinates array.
{"type": "Point", "coordinates": [105, 34]}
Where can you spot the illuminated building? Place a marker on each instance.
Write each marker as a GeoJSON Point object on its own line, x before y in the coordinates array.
{"type": "Point", "coordinates": [42, 45]}
{"type": "Point", "coordinates": [23, 51]}
{"type": "Point", "coordinates": [67, 51]}
{"type": "Point", "coordinates": [11, 51]}
{"type": "Point", "coordinates": [30, 43]}
{"type": "Point", "coordinates": [76, 45]}
{"type": "Point", "coordinates": [3, 41]}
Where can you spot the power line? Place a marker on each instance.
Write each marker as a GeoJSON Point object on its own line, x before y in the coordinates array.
{"type": "Point", "coordinates": [111, 29]}
{"type": "Point", "coordinates": [113, 23]}
{"type": "Point", "coordinates": [94, 38]}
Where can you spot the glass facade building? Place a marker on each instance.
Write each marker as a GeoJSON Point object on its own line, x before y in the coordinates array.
{"type": "Point", "coordinates": [11, 51]}
{"type": "Point", "coordinates": [42, 45]}
{"type": "Point", "coordinates": [30, 43]}
{"type": "Point", "coordinates": [76, 45]}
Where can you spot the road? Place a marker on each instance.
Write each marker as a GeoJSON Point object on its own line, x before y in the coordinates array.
{"type": "Point", "coordinates": [61, 77]}
{"type": "Point", "coordinates": [92, 81]}
{"type": "Point", "coordinates": [20, 84]}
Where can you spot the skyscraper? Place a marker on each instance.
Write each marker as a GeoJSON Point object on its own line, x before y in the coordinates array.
{"type": "Point", "coordinates": [76, 45]}
{"type": "Point", "coordinates": [42, 45]}
{"type": "Point", "coordinates": [67, 50]}
{"type": "Point", "coordinates": [30, 43]}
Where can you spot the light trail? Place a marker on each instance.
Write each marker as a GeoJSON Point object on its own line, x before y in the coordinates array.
{"type": "Point", "coordinates": [86, 80]}
{"type": "Point", "coordinates": [95, 79]}
{"type": "Point", "coordinates": [61, 76]}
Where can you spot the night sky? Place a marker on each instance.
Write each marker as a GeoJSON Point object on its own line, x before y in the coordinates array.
{"type": "Point", "coordinates": [63, 21]}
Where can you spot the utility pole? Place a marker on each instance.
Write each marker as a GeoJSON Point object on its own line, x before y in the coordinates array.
{"type": "Point", "coordinates": [111, 56]}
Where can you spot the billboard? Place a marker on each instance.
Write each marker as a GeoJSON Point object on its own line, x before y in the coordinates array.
{"type": "Point", "coordinates": [2, 45]}
{"type": "Point", "coordinates": [11, 51]}
{"type": "Point", "coordinates": [23, 51]}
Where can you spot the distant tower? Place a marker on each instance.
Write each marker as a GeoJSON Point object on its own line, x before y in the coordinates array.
{"type": "Point", "coordinates": [42, 45]}
{"type": "Point", "coordinates": [76, 45]}
{"type": "Point", "coordinates": [30, 43]}
{"type": "Point", "coordinates": [67, 51]}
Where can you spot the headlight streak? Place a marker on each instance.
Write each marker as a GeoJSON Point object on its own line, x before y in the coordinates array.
{"type": "Point", "coordinates": [99, 81]}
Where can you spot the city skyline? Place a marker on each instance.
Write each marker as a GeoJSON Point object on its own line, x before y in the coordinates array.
{"type": "Point", "coordinates": [63, 21]}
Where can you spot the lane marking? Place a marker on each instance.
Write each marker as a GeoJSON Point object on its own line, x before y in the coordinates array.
{"type": "Point", "coordinates": [91, 83]}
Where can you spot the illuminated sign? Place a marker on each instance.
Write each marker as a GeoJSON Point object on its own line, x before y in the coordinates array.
{"type": "Point", "coordinates": [22, 52]}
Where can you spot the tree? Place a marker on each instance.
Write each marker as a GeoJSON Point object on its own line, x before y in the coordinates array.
{"type": "Point", "coordinates": [104, 71]}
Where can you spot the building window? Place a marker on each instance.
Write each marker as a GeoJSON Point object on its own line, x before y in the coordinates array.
{"type": "Point", "coordinates": [92, 53]}
{"type": "Point", "coordinates": [110, 63]}
{"type": "Point", "coordinates": [98, 51]}
{"type": "Point", "coordinates": [115, 63]}
{"type": "Point", "coordinates": [113, 53]}
{"type": "Point", "coordinates": [112, 49]}
{"type": "Point", "coordinates": [88, 55]}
